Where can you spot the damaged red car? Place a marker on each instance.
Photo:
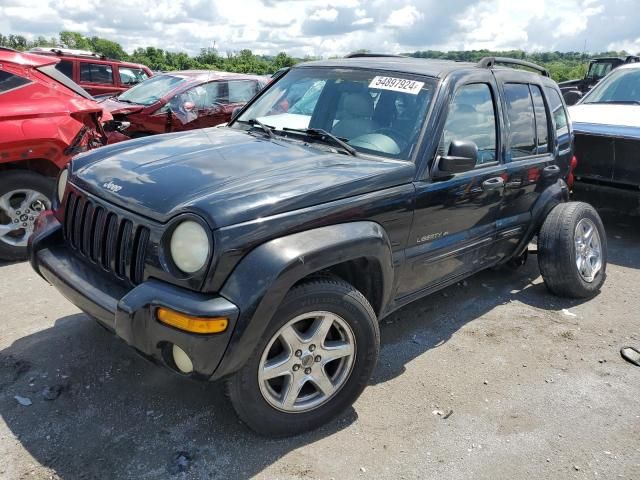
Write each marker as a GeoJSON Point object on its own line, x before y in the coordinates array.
{"type": "Point", "coordinates": [45, 119]}
{"type": "Point", "coordinates": [178, 101]}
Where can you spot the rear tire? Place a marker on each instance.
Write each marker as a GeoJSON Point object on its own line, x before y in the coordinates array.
{"type": "Point", "coordinates": [572, 250]}
{"type": "Point", "coordinates": [15, 188]}
{"type": "Point", "coordinates": [263, 398]}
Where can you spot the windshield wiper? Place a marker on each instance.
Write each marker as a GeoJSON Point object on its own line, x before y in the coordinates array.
{"type": "Point", "coordinates": [255, 122]}
{"type": "Point", "coordinates": [325, 136]}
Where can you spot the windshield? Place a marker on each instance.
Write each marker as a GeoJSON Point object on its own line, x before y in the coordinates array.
{"type": "Point", "coordinates": [152, 90]}
{"type": "Point", "coordinates": [598, 70]}
{"type": "Point", "coordinates": [622, 86]}
{"type": "Point", "coordinates": [371, 111]}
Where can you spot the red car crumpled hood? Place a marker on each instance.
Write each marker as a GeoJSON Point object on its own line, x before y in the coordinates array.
{"type": "Point", "coordinates": [113, 106]}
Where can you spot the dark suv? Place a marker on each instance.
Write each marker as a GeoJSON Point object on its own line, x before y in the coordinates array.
{"type": "Point", "coordinates": [574, 90]}
{"type": "Point", "coordinates": [265, 252]}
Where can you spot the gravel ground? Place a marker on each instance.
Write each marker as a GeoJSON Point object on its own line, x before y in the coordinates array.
{"type": "Point", "coordinates": [492, 378]}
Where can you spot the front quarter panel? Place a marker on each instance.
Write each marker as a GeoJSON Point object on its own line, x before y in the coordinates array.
{"type": "Point", "coordinates": [260, 282]}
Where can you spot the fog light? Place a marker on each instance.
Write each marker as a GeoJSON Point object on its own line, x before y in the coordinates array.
{"type": "Point", "coordinates": [192, 324]}
{"type": "Point", "coordinates": [182, 360]}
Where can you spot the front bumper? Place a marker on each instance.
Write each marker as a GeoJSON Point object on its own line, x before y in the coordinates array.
{"type": "Point", "coordinates": [130, 312]}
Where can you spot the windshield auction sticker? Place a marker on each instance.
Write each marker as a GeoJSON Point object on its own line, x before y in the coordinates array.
{"type": "Point", "coordinates": [396, 84]}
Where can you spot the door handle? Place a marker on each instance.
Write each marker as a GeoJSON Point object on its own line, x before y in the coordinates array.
{"type": "Point", "coordinates": [494, 183]}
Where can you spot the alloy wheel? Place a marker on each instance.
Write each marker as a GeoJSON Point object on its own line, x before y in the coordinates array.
{"type": "Point", "coordinates": [18, 212]}
{"type": "Point", "coordinates": [307, 362]}
{"type": "Point", "coordinates": [588, 250]}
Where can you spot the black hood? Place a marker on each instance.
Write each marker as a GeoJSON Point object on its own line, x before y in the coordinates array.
{"type": "Point", "coordinates": [227, 176]}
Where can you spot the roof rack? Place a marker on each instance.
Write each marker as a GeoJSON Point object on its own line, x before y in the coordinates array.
{"type": "Point", "coordinates": [490, 62]}
{"type": "Point", "coordinates": [364, 54]}
{"type": "Point", "coordinates": [68, 51]}
{"type": "Point", "coordinates": [632, 59]}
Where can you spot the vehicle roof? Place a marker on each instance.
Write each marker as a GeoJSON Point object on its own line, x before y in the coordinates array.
{"type": "Point", "coordinates": [622, 59]}
{"type": "Point", "coordinates": [211, 75]}
{"type": "Point", "coordinates": [94, 58]}
{"type": "Point", "coordinates": [629, 66]}
{"type": "Point", "coordinates": [25, 59]}
{"type": "Point", "coordinates": [419, 66]}
{"type": "Point", "coordinates": [607, 59]}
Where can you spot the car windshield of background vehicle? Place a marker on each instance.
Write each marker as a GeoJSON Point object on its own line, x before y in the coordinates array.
{"type": "Point", "coordinates": [152, 90]}
{"type": "Point", "coordinates": [132, 76]}
{"type": "Point", "coordinates": [599, 70]}
{"type": "Point", "coordinates": [374, 112]}
{"type": "Point", "coordinates": [622, 86]}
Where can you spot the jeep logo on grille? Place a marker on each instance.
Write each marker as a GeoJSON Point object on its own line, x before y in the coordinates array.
{"type": "Point", "coordinates": [112, 186]}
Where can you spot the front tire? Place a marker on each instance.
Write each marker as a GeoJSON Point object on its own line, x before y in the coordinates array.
{"type": "Point", "coordinates": [572, 250]}
{"type": "Point", "coordinates": [314, 360]}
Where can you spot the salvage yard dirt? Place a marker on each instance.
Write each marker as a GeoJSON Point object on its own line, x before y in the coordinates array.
{"type": "Point", "coordinates": [491, 378]}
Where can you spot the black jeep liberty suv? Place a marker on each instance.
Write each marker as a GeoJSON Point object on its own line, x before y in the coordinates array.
{"type": "Point", "coordinates": [265, 252]}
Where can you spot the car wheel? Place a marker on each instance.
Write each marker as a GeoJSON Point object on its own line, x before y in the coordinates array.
{"type": "Point", "coordinates": [23, 195]}
{"type": "Point", "coordinates": [313, 362]}
{"type": "Point", "coordinates": [572, 250]}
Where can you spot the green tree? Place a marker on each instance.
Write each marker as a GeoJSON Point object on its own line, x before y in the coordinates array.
{"type": "Point", "coordinates": [74, 40]}
{"type": "Point", "coordinates": [283, 60]}
{"type": "Point", "coordinates": [107, 48]}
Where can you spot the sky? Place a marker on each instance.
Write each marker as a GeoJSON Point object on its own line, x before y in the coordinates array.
{"type": "Point", "coordinates": [336, 27]}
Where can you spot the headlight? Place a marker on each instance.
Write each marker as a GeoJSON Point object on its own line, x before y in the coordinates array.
{"type": "Point", "coordinates": [62, 183]}
{"type": "Point", "coordinates": [189, 246]}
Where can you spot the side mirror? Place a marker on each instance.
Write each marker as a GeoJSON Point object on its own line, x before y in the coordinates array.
{"type": "Point", "coordinates": [189, 106]}
{"type": "Point", "coordinates": [461, 158]}
{"type": "Point", "coordinates": [235, 113]}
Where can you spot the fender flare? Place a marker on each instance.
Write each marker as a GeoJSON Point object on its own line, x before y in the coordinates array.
{"type": "Point", "coordinates": [553, 195]}
{"type": "Point", "coordinates": [263, 277]}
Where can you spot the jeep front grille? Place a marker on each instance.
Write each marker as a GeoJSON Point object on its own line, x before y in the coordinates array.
{"type": "Point", "coordinates": [112, 241]}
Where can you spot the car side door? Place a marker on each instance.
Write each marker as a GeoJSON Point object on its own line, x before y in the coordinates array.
{"type": "Point", "coordinates": [531, 152]}
{"type": "Point", "coordinates": [97, 78]}
{"type": "Point", "coordinates": [187, 110]}
{"type": "Point", "coordinates": [455, 215]}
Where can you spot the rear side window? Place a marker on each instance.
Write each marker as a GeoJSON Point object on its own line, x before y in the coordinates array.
{"type": "Point", "coordinates": [521, 120]}
{"type": "Point", "coordinates": [542, 121]}
{"type": "Point", "coordinates": [65, 67]}
{"type": "Point", "coordinates": [132, 76]}
{"type": "Point", "coordinates": [96, 73]}
{"type": "Point", "coordinates": [242, 91]}
{"type": "Point", "coordinates": [557, 110]}
{"type": "Point", "coordinates": [472, 118]}
{"type": "Point", "coordinates": [213, 94]}
{"type": "Point", "coordinates": [9, 81]}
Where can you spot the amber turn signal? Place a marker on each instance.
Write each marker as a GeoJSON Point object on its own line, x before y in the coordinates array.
{"type": "Point", "coordinates": [192, 324]}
